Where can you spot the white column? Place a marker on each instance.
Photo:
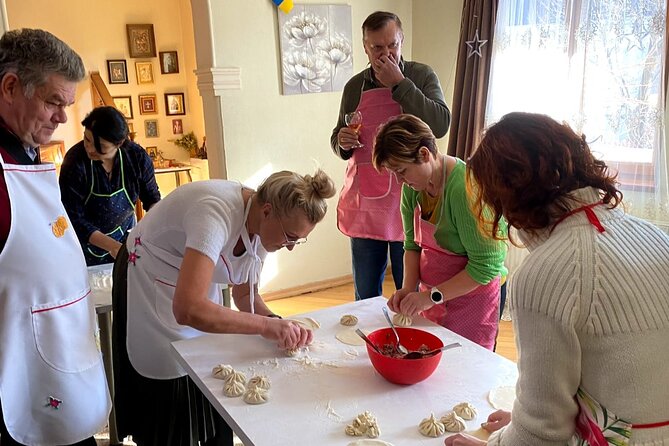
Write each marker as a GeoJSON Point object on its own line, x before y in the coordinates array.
{"type": "Point", "coordinates": [4, 21]}
{"type": "Point", "coordinates": [211, 82]}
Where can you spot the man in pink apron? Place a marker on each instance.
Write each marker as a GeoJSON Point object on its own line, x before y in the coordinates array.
{"type": "Point", "coordinates": [368, 208]}
{"type": "Point", "coordinates": [52, 383]}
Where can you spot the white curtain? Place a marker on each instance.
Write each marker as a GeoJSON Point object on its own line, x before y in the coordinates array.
{"type": "Point", "coordinates": [598, 65]}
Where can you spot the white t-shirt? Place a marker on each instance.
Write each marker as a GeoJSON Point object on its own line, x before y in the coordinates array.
{"type": "Point", "coordinates": [208, 216]}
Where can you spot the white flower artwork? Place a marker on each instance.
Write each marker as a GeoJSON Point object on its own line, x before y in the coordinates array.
{"type": "Point", "coordinates": [316, 53]}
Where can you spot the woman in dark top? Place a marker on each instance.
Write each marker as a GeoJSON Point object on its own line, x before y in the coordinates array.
{"type": "Point", "coordinates": [100, 181]}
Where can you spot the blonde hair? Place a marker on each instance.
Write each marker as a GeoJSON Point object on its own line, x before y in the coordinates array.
{"type": "Point", "coordinates": [287, 191]}
{"type": "Point", "coordinates": [400, 139]}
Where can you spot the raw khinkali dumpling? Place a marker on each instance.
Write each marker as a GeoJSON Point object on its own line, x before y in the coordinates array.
{"type": "Point", "coordinates": [233, 388]}
{"type": "Point", "coordinates": [236, 376]}
{"type": "Point", "coordinates": [453, 423]}
{"type": "Point", "coordinates": [222, 371]}
{"type": "Point", "coordinates": [348, 320]}
{"type": "Point", "coordinates": [431, 427]}
{"type": "Point", "coordinates": [364, 424]}
{"type": "Point", "coordinates": [256, 395]}
{"type": "Point", "coordinates": [402, 320]}
{"type": "Point", "coordinates": [260, 381]}
{"type": "Point", "coordinates": [465, 411]}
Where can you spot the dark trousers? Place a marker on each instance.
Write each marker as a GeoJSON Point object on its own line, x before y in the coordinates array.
{"type": "Point", "coordinates": [370, 259]}
{"type": "Point", "coordinates": [7, 440]}
{"type": "Point", "coordinates": [169, 412]}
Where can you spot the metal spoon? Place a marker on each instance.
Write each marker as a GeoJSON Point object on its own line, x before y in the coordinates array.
{"type": "Point", "coordinates": [402, 349]}
{"type": "Point", "coordinates": [366, 339]}
{"type": "Point", "coordinates": [419, 355]}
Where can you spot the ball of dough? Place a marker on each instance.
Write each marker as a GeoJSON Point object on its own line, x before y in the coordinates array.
{"type": "Point", "coordinates": [465, 411]}
{"type": "Point", "coordinates": [233, 388]}
{"type": "Point", "coordinates": [402, 320]}
{"type": "Point", "coordinates": [260, 381]}
{"type": "Point", "coordinates": [222, 371]}
{"type": "Point", "coordinates": [431, 427]}
{"type": "Point", "coordinates": [453, 423]}
{"type": "Point", "coordinates": [256, 395]}
{"type": "Point", "coordinates": [348, 320]}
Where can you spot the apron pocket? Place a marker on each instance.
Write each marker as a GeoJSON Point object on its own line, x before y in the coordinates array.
{"type": "Point", "coordinates": [164, 296]}
{"type": "Point", "coordinates": [62, 347]}
{"type": "Point", "coordinates": [371, 183]}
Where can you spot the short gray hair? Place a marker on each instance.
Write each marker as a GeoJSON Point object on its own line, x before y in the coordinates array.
{"type": "Point", "coordinates": [34, 54]}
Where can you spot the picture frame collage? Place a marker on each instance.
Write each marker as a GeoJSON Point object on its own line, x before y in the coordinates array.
{"type": "Point", "coordinates": [142, 46]}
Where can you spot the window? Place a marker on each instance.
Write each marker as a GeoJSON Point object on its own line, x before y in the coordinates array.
{"type": "Point", "coordinates": [596, 64]}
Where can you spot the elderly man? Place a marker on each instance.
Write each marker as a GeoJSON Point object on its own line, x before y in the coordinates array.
{"type": "Point", "coordinates": [368, 208]}
{"type": "Point", "coordinates": [52, 381]}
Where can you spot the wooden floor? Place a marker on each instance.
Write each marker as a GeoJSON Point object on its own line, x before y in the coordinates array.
{"type": "Point", "coordinates": [330, 297]}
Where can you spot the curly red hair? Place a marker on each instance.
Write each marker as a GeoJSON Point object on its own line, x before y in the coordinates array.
{"type": "Point", "coordinates": [525, 170]}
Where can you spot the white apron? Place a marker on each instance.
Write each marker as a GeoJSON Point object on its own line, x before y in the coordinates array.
{"type": "Point", "coordinates": [52, 382]}
{"type": "Point", "coordinates": [152, 278]}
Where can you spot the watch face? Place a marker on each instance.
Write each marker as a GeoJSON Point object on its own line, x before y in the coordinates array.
{"type": "Point", "coordinates": [436, 296]}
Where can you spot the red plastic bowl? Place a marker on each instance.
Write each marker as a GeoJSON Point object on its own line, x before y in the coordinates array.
{"type": "Point", "coordinates": [404, 371]}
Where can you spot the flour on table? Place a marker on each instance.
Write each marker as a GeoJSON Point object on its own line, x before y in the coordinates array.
{"type": "Point", "coordinates": [502, 397]}
{"type": "Point", "coordinates": [332, 414]}
{"type": "Point", "coordinates": [349, 336]}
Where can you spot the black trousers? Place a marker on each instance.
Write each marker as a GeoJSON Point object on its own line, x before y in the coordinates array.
{"type": "Point", "coordinates": [157, 412]}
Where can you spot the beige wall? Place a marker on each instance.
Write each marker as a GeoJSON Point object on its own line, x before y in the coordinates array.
{"type": "Point", "coordinates": [265, 131]}
{"type": "Point", "coordinates": [96, 30]}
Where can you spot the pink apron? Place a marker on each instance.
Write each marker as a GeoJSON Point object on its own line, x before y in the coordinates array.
{"type": "Point", "coordinates": [369, 202]}
{"type": "Point", "coordinates": [595, 425]}
{"type": "Point", "coordinates": [473, 315]}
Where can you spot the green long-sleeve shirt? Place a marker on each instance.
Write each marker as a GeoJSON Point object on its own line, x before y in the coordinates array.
{"type": "Point", "coordinates": [456, 229]}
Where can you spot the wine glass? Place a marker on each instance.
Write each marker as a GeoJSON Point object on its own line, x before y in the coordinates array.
{"type": "Point", "coordinates": [353, 121]}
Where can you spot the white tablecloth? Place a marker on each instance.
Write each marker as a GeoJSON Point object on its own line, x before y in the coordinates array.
{"type": "Point", "coordinates": [314, 397]}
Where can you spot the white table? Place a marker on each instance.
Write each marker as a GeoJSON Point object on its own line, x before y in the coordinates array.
{"type": "Point", "coordinates": [312, 404]}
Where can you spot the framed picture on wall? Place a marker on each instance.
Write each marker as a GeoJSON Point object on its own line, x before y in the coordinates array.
{"type": "Point", "coordinates": [144, 72]}
{"type": "Point", "coordinates": [117, 69]}
{"type": "Point", "coordinates": [174, 104]}
{"type": "Point", "coordinates": [124, 105]}
{"type": "Point", "coordinates": [147, 104]}
{"type": "Point", "coordinates": [177, 127]}
{"type": "Point", "coordinates": [169, 62]}
{"type": "Point", "coordinates": [141, 40]}
{"type": "Point", "coordinates": [152, 151]}
{"type": "Point", "coordinates": [151, 128]}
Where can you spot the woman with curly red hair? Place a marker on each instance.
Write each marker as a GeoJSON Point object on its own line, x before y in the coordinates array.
{"type": "Point", "coordinates": [589, 304]}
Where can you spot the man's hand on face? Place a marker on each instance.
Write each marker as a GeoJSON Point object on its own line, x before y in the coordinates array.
{"type": "Point", "coordinates": [387, 71]}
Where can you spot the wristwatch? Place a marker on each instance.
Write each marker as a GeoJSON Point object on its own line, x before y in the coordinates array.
{"type": "Point", "coordinates": [436, 295]}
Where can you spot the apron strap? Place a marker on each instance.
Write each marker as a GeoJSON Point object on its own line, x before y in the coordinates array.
{"type": "Point", "coordinates": [592, 217]}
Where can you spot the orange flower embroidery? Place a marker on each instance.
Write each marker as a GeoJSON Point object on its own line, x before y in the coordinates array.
{"type": "Point", "coordinates": [59, 226]}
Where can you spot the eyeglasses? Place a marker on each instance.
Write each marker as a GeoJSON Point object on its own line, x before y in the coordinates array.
{"type": "Point", "coordinates": [288, 241]}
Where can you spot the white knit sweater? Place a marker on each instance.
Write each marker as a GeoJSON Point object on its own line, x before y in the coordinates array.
{"type": "Point", "coordinates": [591, 310]}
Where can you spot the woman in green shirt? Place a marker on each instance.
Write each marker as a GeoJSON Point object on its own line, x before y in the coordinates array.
{"type": "Point", "coordinates": [454, 267]}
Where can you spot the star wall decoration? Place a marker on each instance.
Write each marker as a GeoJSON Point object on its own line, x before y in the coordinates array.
{"type": "Point", "coordinates": [475, 45]}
